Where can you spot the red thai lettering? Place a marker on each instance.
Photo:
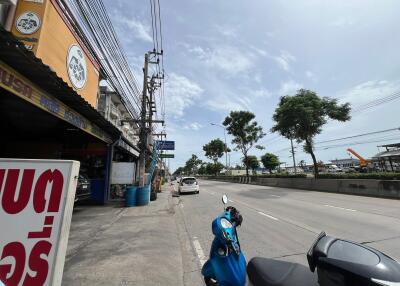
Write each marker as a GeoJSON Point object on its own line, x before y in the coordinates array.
{"type": "Point", "coordinates": [2, 172]}
{"type": "Point", "coordinates": [15, 250]}
{"type": "Point", "coordinates": [37, 264]}
{"type": "Point", "coordinates": [39, 199]}
{"type": "Point", "coordinates": [10, 205]}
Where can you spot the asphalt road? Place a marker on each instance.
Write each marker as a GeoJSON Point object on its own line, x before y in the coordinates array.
{"type": "Point", "coordinates": [282, 223]}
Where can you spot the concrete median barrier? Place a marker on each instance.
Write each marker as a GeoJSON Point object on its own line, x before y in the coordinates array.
{"type": "Point", "coordinates": [365, 187]}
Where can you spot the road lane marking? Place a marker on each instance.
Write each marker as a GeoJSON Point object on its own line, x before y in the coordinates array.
{"type": "Point", "coordinates": [350, 210]}
{"type": "Point", "coordinates": [232, 201]}
{"type": "Point", "coordinates": [275, 196]}
{"type": "Point", "coordinates": [267, 215]}
{"type": "Point", "coordinates": [199, 252]}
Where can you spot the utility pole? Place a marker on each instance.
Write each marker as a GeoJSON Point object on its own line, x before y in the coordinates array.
{"type": "Point", "coordinates": [146, 129]}
{"type": "Point", "coordinates": [294, 159]}
{"type": "Point", "coordinates": [143, 131]}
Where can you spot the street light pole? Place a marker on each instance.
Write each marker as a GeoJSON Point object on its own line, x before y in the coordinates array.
{"type": "Point", "coordinates": [226, 146]}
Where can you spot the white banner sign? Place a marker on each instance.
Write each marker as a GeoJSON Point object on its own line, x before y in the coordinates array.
{"type": "Point", "coordinates": [36, 203]}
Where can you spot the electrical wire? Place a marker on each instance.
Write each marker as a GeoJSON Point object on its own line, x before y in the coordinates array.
{"type": "Point", "coordinates": [360, 135]}
{"type": "Point", "coordinates": [94, 26]}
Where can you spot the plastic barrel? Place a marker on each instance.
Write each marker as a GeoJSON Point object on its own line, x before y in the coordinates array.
{"type": "Point", "coordinates": [130, 195]}
{"type": "Point", "coordinates": [143, 196]}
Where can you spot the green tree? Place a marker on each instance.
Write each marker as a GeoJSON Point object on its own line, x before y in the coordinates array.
{"type": "Point", "coordinates": [302, 116]}
{"type": "Point", "coordinates": [202, 170]}
{"type": "Point", "coordinates": [302, 164]}
{"type": "Point", "coordinates": [270, 161]}
{"type": "Point", "coordinates": [191, 165]}
{"type": "Point", "coordinates": [214, 168]}
{"type": "Point", "coordinates": [252, 162]}
{"type": "Point", "coordinates": [178, 171]}
{"type": "Point", "coordinates": [245, 131]}
{"type": "Point", "coordinates": [215, 149]}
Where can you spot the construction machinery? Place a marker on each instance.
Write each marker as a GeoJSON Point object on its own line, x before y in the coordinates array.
{"type": "Point", "coordinates": [363, 162]}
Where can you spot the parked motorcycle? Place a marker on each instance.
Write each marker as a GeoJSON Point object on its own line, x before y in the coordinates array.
{"type": "Point", "coordinates": [227, 264]}
{"type": "Point", "coordinates": [337, 262]}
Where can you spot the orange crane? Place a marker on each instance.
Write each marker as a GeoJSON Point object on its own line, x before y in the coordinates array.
{"type": "Point", "coordinates": [363, 162]}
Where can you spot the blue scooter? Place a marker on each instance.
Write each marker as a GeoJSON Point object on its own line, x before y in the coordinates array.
{"type": "Point", "coordinates": [337, 262]}
{"type": "Point", "coordinates": [227, 264]}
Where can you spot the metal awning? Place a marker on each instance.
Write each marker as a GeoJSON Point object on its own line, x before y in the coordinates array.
{"type": "Point", "coordinates": [14, 54]}
{"type": "Point", "coordinates": [386, 154]}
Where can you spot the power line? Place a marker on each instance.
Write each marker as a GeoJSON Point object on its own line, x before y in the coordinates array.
{"type": "Point", "coordinates": [357, 143]}
{"type": "Point", "coordinates": [377, 102]}
{"type": "Point", "coordinates": [152, 24]}
{"type": "Point", "coordinates": [94, 27]}
{"type": "Point", "coordinates": [360, 135]}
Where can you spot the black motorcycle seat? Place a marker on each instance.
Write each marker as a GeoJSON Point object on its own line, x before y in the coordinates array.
{"type": "Point", "coordinates": [270, 272]}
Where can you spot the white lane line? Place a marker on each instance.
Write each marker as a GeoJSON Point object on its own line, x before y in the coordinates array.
{"type": "Point", "coordinates": [199, 252]}
{"type": "Point", "coordinates": [268, 216]}
{"type": "Point", "coordinates": [275, 196]}
{"type": "Point", "coordinates": [232, 201]}
{"type": "Point", "coordinates": [350, 210]}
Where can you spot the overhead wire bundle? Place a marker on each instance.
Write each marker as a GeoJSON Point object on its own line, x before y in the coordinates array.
{"type": "Point", "coordinates": [92, 23]}
{"type": "Point", "coordinates": [158, 56]}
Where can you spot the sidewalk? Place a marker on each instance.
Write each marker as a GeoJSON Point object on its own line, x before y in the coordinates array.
{"type": "Point", "coordinates": [111, 245]}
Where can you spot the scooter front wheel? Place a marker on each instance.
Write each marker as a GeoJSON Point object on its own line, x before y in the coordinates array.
{"type": "Point", "coordinates": [210, 281]}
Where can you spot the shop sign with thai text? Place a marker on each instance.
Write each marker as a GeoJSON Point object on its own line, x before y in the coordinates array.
{"type": "Point", "coordinates": [18, 85]}
{"type": "Point", "coordinates": [36, 203]}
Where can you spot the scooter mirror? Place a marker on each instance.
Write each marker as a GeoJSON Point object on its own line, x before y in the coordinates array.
{"type": "Point", "coordinates": [225, 199]}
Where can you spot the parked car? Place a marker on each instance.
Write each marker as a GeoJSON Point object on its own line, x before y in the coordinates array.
{"type": "Point", "coordinates": [82, 188]}
{"type": "Point", "coordinates": [188, 185]}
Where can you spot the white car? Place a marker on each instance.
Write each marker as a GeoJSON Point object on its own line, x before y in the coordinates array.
{"type": "Point", "coordinates": [188, 185]}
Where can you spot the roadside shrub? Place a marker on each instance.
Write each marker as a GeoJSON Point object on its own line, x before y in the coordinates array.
{"type": "Point", "coordinates": [373, 176]}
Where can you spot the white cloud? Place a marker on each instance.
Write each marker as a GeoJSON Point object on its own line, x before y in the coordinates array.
{"type": "Point", "coordinates": [225, 103]}
{"type": "Point", "coordinates": [262, 93]}
{"type": "Point", "coordinates": [284, 60]}
{"type": "Point", "coordinates": [227, 31]}
{"type": "Point", "coordinates": [259, 51]}
{"type": "Point", "coordinates": [342, 22]}
{"type": "Point", "coordinates": [311, 75]}
{"type": "Point", "coordinates": [227, 59]}
{"type": "Point", "coordinates": [181, 93]}
{"type": "Point", "coordinates": [200, 52]}
{"type": "Point", "coordinates": [136, 28]}
{"type": "Point", "coordinates": [289, 87]}
{"type": "Point", "coordinates": [193, 126]}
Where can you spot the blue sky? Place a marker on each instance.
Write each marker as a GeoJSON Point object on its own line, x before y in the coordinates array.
{"type": "Point", "coordinates": [243, 55]}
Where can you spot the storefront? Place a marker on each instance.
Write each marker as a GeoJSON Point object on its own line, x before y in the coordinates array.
{"type": "Point", "coordinates": [42, 117]}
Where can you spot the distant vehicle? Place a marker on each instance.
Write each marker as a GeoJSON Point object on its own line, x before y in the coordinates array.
{"type": "Point", "coordinates": [188, 185]}
{"type": "Point", "coordinates": [82, 188]}
{"type": "Point", "coordinates": [334, 169]}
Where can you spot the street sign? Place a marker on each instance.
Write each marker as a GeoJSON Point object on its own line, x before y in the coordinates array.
{"type": "Point", "coordinates": [167, 156]}
{"type": "Point", "coordinates": [36, 203]}
{"type": "Point", "coordinates": [166, 145]}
